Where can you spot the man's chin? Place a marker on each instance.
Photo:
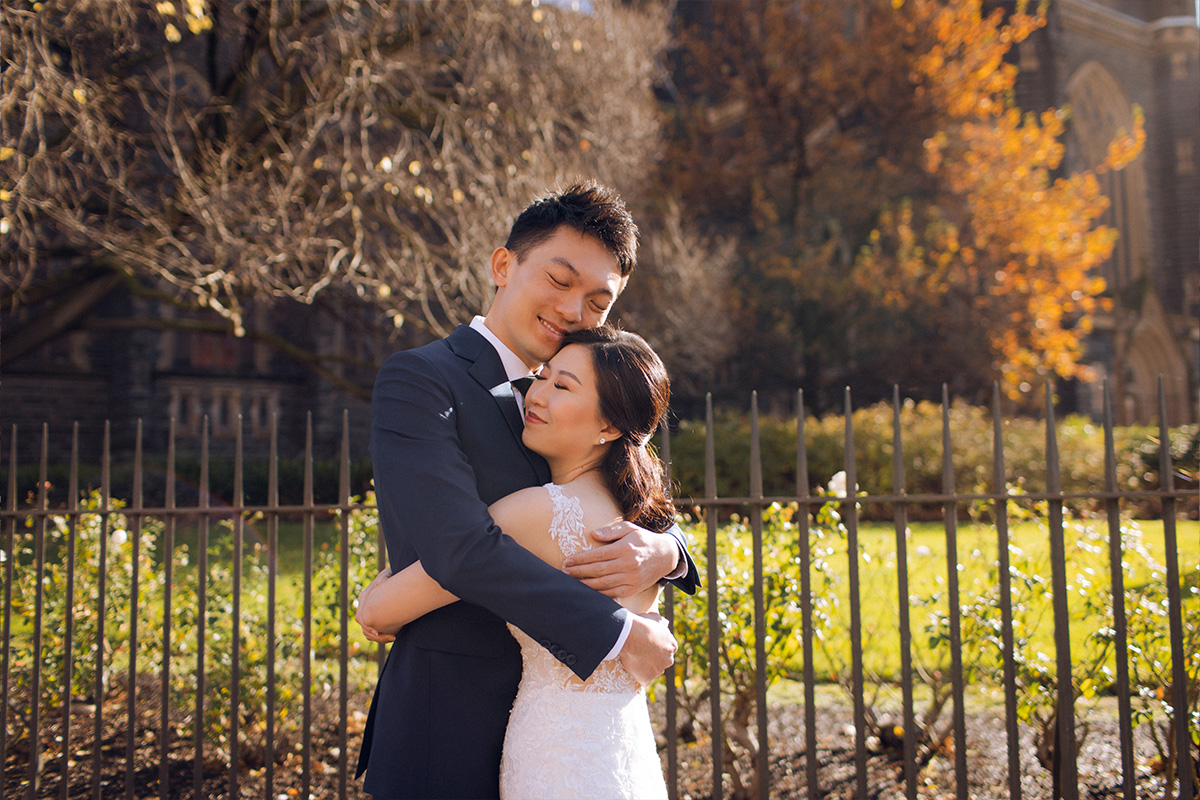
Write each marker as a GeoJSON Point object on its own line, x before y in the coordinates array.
{"type": "Point", "coordinates": [547, 348]}
{"type": "Point", "coordinates": [550, 341]}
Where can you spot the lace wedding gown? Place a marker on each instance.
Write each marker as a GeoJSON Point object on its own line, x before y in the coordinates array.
{"type": "Point", "coordinates": [576, 739]}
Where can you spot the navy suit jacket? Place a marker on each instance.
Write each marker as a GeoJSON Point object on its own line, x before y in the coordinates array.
{"type": "Point", "coordinates": [444, 446]}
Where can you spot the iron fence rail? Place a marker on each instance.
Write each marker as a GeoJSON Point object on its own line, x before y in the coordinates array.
{"type": "Point", "coordinates": [49, 742]}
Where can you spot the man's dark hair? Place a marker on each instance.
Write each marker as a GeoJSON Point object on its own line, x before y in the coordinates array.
{"type": "Point", "coordinates": [588, 207]}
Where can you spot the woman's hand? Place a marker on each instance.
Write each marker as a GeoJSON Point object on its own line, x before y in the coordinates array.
{"type": "Point", "coordinates": [360, 615]}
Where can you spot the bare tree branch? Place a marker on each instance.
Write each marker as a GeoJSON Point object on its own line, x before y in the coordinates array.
{"type": "Point", "coordinates": [291, 148]}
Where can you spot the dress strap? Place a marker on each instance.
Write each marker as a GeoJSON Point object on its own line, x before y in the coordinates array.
{"type": "Point", "coordinates": [566, 526]}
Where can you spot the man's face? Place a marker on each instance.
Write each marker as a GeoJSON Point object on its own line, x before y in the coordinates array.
{"type": "Point", "coordinates": [566, 283]}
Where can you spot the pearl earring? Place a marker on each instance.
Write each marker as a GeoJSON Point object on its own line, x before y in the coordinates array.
{"type": "Point", "coordinates": [601, 440]}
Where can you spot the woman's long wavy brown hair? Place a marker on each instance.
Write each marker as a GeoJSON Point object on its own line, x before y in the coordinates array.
{"type": "Point", "coordinates": [634, 394]}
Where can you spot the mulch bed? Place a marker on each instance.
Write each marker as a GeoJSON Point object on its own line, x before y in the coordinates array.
{"type": "Point", "coordinates": [1099, 761]}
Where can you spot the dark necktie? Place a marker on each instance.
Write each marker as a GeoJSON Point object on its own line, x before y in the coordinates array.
{"type": "Point", "coordinates": [522, 384]}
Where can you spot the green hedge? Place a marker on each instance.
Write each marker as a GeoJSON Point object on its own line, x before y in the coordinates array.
{"type": "Point", "coordinates": [255, 481]}
{"type": "Point", "coordinates": [1080, 444]}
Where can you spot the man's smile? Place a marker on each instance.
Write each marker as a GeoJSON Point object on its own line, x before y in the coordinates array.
{"type": "Point", "coordinates": [554, 330]}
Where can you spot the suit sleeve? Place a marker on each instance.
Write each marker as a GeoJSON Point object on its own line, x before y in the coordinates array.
{"type": "Point", "coordinates": [689, 581]}
{"type": "Point", "coordinates": [427, 496]}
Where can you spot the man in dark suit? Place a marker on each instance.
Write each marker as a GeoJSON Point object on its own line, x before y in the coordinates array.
{"type": "Point", "coordinates": [445, 443]}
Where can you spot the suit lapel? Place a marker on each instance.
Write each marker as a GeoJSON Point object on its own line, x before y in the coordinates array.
{"type": "Point", "coordinates": [488, 371]}
{"type": "Point", "coordinates": [503, 395]}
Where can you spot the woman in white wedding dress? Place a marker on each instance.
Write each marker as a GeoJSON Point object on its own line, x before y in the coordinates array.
{"type": "Point", "coordinates": [590, 414]}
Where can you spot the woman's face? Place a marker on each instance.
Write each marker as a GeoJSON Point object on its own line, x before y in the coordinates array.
{"type": "Point", "coordinates": [562, 407]}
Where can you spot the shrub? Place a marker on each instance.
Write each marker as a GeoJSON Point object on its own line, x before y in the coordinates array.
{"type": "Point", "coordinates": [1092, 662]}
{"type": "Point", "coordinates": [109, 654]}
{"type": "Point", "coordinates": [95, 662]}
{"type": "Point", "coordinates": [324, 631]}
{"type": "Point", "coordinates": [737, 645]}
{"type": "Point", "coordinates": [1150, 673]}
{"type": "Point", "coordinates": [1080, 444]}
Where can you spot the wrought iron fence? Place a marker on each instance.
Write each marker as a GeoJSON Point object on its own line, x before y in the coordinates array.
{"type": "Point", "coordinates": [97, 648]}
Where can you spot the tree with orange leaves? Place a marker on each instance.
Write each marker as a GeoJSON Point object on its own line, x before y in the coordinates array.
{"type": "Point", "coordinates": [1005, 245]}
{"type": "Point", "coordinates": [790, 120]}
{"type": "Point", "coordinates": [900, 219]}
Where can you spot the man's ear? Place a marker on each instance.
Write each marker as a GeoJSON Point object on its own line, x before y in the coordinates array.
{"type": "Point", "coordinates": [503, 261]}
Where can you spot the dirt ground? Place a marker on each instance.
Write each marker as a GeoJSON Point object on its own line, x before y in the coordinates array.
{"type": "Point", "coordinates": [1099, 760]}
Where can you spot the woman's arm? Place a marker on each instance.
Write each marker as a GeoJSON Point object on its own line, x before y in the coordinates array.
{"type": "Point", "coordinates": [392, 601]}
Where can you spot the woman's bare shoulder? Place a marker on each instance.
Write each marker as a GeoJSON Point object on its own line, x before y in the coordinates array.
{"type": "Point", "coordinates": [524, 515]}
{"type": "Point", "coordinates": [596, 504]}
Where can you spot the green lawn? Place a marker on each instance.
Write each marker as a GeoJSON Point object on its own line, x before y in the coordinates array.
{"type": "Point", "coordinates": [1088, 568]}
{"type": "Point", "coordinates": [977, 546]}
{"type": "Point", "coordinates": [256, 535]}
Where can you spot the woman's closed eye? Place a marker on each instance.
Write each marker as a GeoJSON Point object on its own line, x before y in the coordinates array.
{"type": "Point", "coordinates": [556, 384]}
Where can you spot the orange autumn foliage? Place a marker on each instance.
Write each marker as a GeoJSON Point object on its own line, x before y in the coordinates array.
{"type": "Point", "coordinates": [790, 121]}
{"type": "Point", "coordinates": [899, 220]}
{"type": "Point", "coordinates": [1006, 241]}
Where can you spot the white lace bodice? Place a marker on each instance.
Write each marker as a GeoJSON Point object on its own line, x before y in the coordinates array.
{"type": "Point", "coordinates": [540, 666]}
{"type": "Point", "coordinates": [573, 738]}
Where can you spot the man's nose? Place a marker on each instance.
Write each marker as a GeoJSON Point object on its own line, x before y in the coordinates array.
{"type": "Point", "coordinates": [570, 308]}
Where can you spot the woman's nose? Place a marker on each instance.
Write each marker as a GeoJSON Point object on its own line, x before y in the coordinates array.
{"type": "Point", "coordinates": [533, 394]}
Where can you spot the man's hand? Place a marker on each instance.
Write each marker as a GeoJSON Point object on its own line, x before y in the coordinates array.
{"type": "Point", "coordinates": [635, 559]}
{"type": "Point", "coordinates": [650, 648]}
{"type": "Point", "coordinates": [368, 631]}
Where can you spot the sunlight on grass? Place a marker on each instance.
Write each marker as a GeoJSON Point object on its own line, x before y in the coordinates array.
{"type": "Point", "coordinates": [1088, 564]}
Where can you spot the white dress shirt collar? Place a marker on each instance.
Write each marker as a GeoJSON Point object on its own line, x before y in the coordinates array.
{"type": "Point", "coordinates": [514, 367]}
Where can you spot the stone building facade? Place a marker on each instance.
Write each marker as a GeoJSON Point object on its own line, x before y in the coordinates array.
{"type": "Point", "coordinates": [1100, 58]}
{"type": "Point", "coordinates": [129, 358]}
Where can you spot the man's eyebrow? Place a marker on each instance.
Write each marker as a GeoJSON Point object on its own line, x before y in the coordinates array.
{"type": "Point", "coordinates": [562, 260]}
{"type": "Point", "coordinates": [604, 290]}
